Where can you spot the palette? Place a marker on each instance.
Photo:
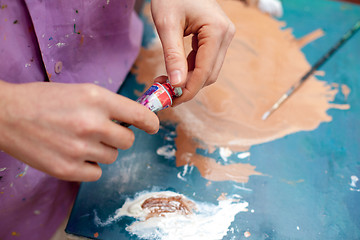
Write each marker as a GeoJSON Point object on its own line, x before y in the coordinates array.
{"type": "Point", "coordinates": [302, 184]}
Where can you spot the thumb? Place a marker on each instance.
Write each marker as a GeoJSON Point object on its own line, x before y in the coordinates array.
{"type": "Point", "coordinates": [172, 40]}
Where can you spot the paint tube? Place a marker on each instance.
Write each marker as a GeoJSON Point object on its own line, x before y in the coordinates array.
{"type": "Point", "coordinates": [158, 97]}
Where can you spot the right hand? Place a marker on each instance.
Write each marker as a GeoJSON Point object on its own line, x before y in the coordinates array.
{"type": "Point", "coordinates": [212, 33]}
{"type": "Point", "coordinates": [65, 130]}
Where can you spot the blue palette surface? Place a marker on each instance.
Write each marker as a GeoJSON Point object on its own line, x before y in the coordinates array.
{"type": "Point", "coordinates": [307, 190]}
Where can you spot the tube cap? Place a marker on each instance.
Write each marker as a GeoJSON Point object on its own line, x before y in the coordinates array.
{"type": "Point", "coordinates": [178, 91]}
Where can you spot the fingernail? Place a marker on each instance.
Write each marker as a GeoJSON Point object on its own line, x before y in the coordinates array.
{"type": "Point", "coordinates": [175, 77]}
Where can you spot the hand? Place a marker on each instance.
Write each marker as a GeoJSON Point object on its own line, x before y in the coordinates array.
{"type": "Point", "coordinates": [213, 32]}
{"type": "Point", "coordinates": [66, 129]}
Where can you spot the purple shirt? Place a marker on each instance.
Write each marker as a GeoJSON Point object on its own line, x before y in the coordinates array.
{"type": "Point", "coordinates": [68, 41]}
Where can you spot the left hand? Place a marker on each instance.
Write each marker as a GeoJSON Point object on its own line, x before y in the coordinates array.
{"type": "Point", "coordinates": [212, 33]}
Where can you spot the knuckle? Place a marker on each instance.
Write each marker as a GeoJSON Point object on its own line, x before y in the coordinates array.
{"type": "Point", "coordinates": [226, 28]}
{"type": "Point", "coordinates": [214, 76]}
{"type": "Point", "coordinates": [78, 150]}
{"type": "Point", "coordinates": [65, 171]}
{"type": "Point", "coordinates": [211, 81]}
{"type": "Point", "coordinates": [205, 72]}
{"type": "Point", "coordinates": [172, 55]}
{"type": "Point", "coordinates": [164, 23]}
{"type": "Point", "coordinates": [86, 126]}
{"type": "Point", "coordinates": [92, 92]}
{"type": "Point", "coordinates": [58, 172]}
{"type": "Point", "coordinates": [221, 26]}
{"type": "Point", "coordinates": [231, 29]}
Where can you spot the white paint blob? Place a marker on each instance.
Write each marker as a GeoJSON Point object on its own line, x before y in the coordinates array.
{"type": "Point", "coordinates": [225, 153]}
{"type": "Point", "coordinates": [354, 180]}
{"type": "Point", "coordinates": [166, 151]}
{"type": "Point", "coordinates": [243, 155]}
{"type": "Point", "coordinates": [206, 222]}
{"type": "Point", "coordinates": [273, 7]}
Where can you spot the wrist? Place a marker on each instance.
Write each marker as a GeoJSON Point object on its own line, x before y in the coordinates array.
{"type": "Point", "coordinates": [5, 101]}
{"type": "Point", "coordinates": [5, 93]}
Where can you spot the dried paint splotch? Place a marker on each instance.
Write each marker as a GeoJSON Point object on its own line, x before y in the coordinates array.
{"type": "Point", "coordinates": [353, 186]}
{"type": "Point", "coordinates": [263, 61]}
{"type": "Point", "coordinates": [169, 215]}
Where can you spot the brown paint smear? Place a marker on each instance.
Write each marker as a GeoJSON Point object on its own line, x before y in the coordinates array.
{"type": "Point", "coordinates": [262, 62]}
{"type": "Point", "coordinates": [158, 206]}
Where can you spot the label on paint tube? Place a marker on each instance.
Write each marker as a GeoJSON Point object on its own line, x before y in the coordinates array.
{"type": "Point", "coordinates": [156, 98]}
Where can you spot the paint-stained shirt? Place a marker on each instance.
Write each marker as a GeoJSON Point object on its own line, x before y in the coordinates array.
{"type": "Point", "coordinates": [66, 41]}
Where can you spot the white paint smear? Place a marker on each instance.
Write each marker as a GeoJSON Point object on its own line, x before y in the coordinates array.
{"type": "Point", "coordinates": [181, 176]}
{"type": "Point", "coordinates": [354, 180]}
{"type": "Point", "coordinates": [225, 153]}
{"type": "Point", "coordinates": [166, 151]}
{"type": "Point", "coordinates": [243, 155]}
{"type": "Point", "coordinates": [207, 222]}
{"type": "Point", "coordinates": [60, 44]}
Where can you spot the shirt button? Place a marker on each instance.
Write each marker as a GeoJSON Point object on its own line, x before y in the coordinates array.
{"type": "Point", "coordinates": [58, 67]}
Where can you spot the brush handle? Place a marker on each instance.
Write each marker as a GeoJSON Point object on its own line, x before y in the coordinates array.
{"type": "Point", "coordinates": [316, 66]}
{"type": "Point", "coordinates": [323, 59]}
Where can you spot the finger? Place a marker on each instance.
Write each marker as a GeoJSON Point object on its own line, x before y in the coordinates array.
{"type": "Point", "coordinates": [125, 110]}
{"type": "Point", "coordinates": [194, 42]}
{"type": "Point", "coordinates": [161, 79]}
{"type": "Point", "coordinates": [88, 172]}
{"type": "Point", "coordinates": [185, 92]}
{"type": "Point", "coordinates": [191, 66]}
{"type": "Point", "coordinates": [102, 153]}
{"type": "Point", "coordinates": [206, 55]}
{"type": "Point", "coordinates": [117, 136]}
{"type": "Point", "coordinates": [82, 171]}
{"type": "Point", "coordinates": [191, 61]}
{"type": "Point", "coordinates": [173, 46]}
{"type": "Point", "coordinates": [222, 54]}
{"type": "Point", "coordinates": [192, 55]}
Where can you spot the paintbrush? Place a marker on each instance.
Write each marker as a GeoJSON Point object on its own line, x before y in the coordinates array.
{"type": "Point", "coordinates": [317, 65]}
